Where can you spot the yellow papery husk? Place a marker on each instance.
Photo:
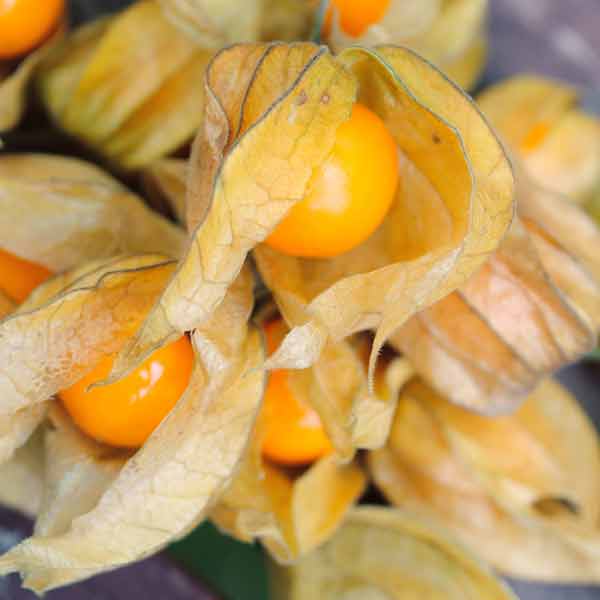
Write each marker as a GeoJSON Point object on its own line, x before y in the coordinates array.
{"type": "Point", "coordinates": [452, 34]}
{"type": "Point", "coordinates": [63, 212]}
{"type": "Point", "coordinates": [271, 116]}
{"type": "Point", "coordinates": [387, 553]}
{"type": "Point", "coordinates": [515, 489]}
{"type": "Point", "coordinates": [544, 124]}
{"type": "Point", "coordinates": [102, 509]}
{"type": "Point", "coordinates": [165, 184]}
{"type": "Point", "coordinates": [129, 86]}
{"type": "Point", "coordinates": [14, 86]}
{"type": "Point", "coordinates": [530, 310]}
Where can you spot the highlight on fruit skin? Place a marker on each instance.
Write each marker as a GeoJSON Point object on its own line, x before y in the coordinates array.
{"type": "Point", "coordinates": [25, 24]}
{"type": "Point", "coordinates": [348, 196]}
{"type": "Point", "coordinates": [125, 413]}
{"type": "Point", "coordinates": [293, 433]}
{"type": "Point", "coordinates": [19, 277]}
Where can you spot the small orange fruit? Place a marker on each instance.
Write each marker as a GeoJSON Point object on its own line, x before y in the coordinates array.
{"type": "Point", "coordinates": [126, 412]}
{"type": "Point", "coordinates": [24, 24]}
{"type": "Point", "coordinates": [348, 196]}
{"type": "Point", "coordinates": [293, 434]}
{"type": "Point", "coordinates": [19, 277]}
{"type": "Point", "coordinates": [355, 16]}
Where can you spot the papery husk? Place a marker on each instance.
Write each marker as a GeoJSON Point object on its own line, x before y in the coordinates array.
{"type": "Point", "coordinates": [274, 109]}
{"type": "Point", "coordinates": [62, 212]}
{"type": "Point", "coordinates": [542, 121]}
{"type": "Point", "coordinates": [165, 182]}
{"type": "Point", "coordinates": [216, 23]}
{"type": "Point", "coordinates": [287, 20]}
{"type": "Point", "coordinates": [71, 322]}
{"type": "Point", "coordinates": [522, 491]}
{"type": "Point", "coordinates": [21, 477]}
{"type": "Point", "coordinates": [487, 345]}
{"type": "Point", "coordinates": [450, 33]}
{"type": "Point", "coordinates": [165, 489]}
{"type": "Point", "coordinates": [14, 86]}
{"type": "Point", "coordinates": [387, 553]}
{"type": "Point", "coordinates": [129, 86]}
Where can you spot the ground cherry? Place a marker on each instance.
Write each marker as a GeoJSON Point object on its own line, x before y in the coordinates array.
{"type": "Point", "coordinates": [355, 16]}
{"type": "Point", "coordinates": [126, 412]}
{"type": "Point", "coordinates": [18, 277]}
{"type": "Point", "coordinates": [535, 137]}
{"type": "Point", "coordinates": [348, 195]}
{"type": "Point", "coordinates": [293, 434]}
{"type": "Point", "coordinates": [24, 24]}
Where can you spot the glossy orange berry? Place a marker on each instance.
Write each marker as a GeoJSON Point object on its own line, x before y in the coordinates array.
{"type": "Point", "coordinates": [293, 432]}
{"type": "Point", "coordinates": [355, 16]}
{"type": "Point", "coordinates": [126, 412]}
{"type": "Point", "coordinates": [348, 196]}
{"type": "Point", "coordinates": [19, 277]}
{"type": "Point", "coordinates": [24, 24]}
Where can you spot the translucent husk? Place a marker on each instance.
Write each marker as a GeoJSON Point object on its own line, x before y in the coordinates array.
{"type": "Point", "coordinates": [165, 183]}
{"type": "Point", "coordinates": [14, 86]}
{"type": "Point", "coordinates": [271, 116]}
{"type": "Point", "coordinates": [387, 553]}
{"type": "Point", "coordinates": [130, 86]}
{"type": "Point", "coordinates": [102, 509]}
{"type": "Point", "coordinates": [515, 489]}
{"type": "Point", "coordinates": [450, 33]}
{"type": "Point", "coordinates": [544, 124]}
{"type": "Point", "coordinates": [62, 212]}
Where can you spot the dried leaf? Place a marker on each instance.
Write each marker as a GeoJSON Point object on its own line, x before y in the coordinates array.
{"type": "Point", "coordinates": [271, 116]}
{"type": "Point", "coordinates": [166, 488]}
{"type": "Point", "coordinates": [513, 488]}
{"type": "Point", "coordinates": [62, 212]}
{"type": "Point", "coordinates": [21, 478]}
{"type": "Point", "coordinates": [385, 553]}
{"type": "Point", "coordinates": [487, 345]}
{"type": "Point", "coordinates": [130, 86]}
{"type": "Point", "coordinates": [52, 342]}
{"type": "Point", "coordinates": [216, 23]}
{"type": "Point", "coordinates": [450, 33]}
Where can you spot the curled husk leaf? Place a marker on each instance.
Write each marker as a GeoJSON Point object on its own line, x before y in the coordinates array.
{"type": "Point", "coordinates": [293, 511]}
{"type": "Point", "coordinates": [544, 124]}
{"type": "Point", "coordinates": [387, 553]}
{"type": "Point", "coordinates": [271, 116]}
{"type": "Point", "coordinates": [129, 86]}
{"type": "Point", "coordinates": [515, 489]}
{"type": "Point", "coordinates": [487, 345]}
{"type": "Point", "coordinates": [450, 33]}
{"type": "Point", "coordinates": [102, 510]}
{"type": "Point", "coordinates": [14, 86]}
{"type": "Point", "coordinates": [62, 212]}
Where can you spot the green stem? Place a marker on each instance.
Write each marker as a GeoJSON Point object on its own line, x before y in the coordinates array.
{"type": "Point", "coordinates": [319, 20]}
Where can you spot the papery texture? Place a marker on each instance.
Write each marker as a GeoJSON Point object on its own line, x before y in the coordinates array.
{"type": "Point", "coordinates": [450, 33]}
{"type": "Point", "coordinates": [515, 488]}
{"type": "Point", "coordinates": [130, 86]}
{"type": "Point", "coordinates": [387, 553]}
{"type": "Point", "coordinates": [165, 182]}
{"type": "Point", "coordinates": [167, 486]}
{"type": "Point", "coordinates": [62, 212]}
{"type": "Point", "coordinates": [271, 116]}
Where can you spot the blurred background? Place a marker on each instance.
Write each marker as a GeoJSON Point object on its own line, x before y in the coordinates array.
{"type": "Point", "coordinates": [559, 38]}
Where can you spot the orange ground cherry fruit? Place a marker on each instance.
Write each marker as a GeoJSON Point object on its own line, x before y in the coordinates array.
{"type": "Point", "coordinates": [24, 24]}
{"type": "Point", "coordinates": [19, 277]}
{"type": "Point", "coordinates": [348, 196]}
{"type": "Point", "coordinates": [293, 432]}
{"type": "Point", "coordinates": [535, 137]}
{"type": "Point", "coordinates": [355, 16]}
{"type": "Point", "coordinates": [126, 412]}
